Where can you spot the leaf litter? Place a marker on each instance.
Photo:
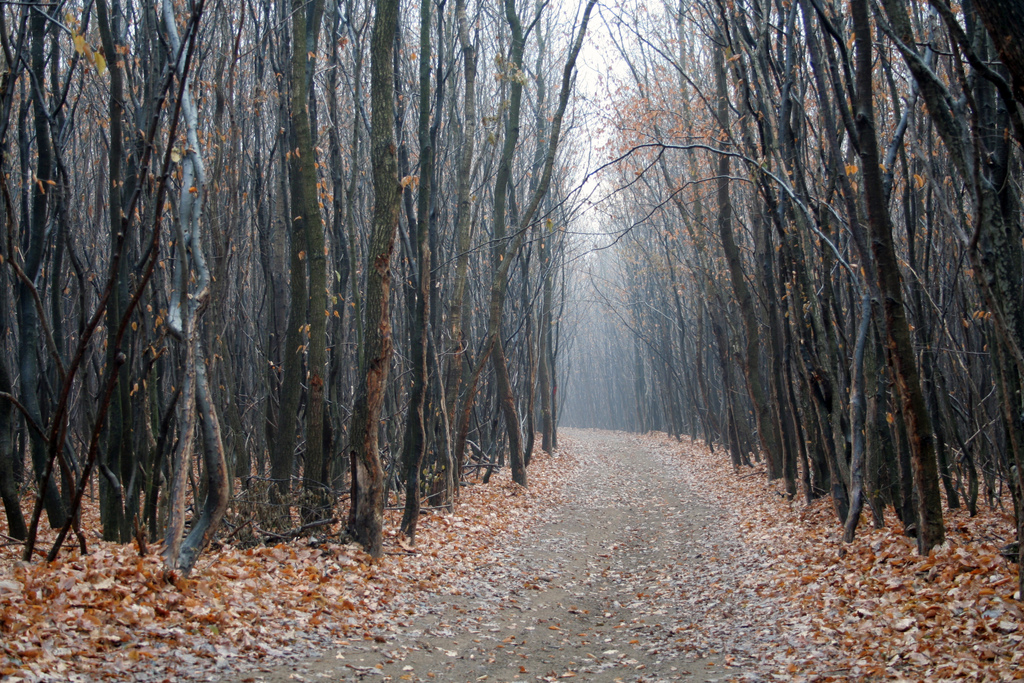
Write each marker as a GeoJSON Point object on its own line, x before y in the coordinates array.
{"type": "Point", "coordinates": [611, 584]}
{"type": "Point", "coordinates": [681, 571]}
{"type": "Point", "coordinates": [873, 609]}
{"type": "Point", "coordinates": [115, 615]}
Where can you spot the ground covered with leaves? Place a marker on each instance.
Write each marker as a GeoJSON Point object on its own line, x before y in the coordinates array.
{"type": "Point", "coordinates": [873, 609]}
{"type": "Point", "coordinates": [113, 614]}
{"type": "Point", "coordinates": [628, 559]}
{"type": "Point", "coordinates": [628, 578]}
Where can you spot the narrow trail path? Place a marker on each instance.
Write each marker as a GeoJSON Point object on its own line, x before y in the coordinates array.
{"type": "Point", "coordinates": [632, 579]}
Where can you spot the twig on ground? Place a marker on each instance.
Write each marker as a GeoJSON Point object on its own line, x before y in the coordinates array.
{"type": "Point", "coordinates": [295, 533]}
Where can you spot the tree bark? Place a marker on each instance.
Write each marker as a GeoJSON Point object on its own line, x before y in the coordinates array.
{"type": "Point", "coordinates": [544, 356]}
{"type": "Point", "coordinates": [755, 386]}
{"type": "Point", "coordinates": [118, 446]}
{"type": "Point", "coordinates": [457, 343]}
{"type": "Point", "coordinates": [501, 254]}
{"type": "Point", "coordinates": [33, 243]}
{"type": "Point", "coordinates": [308, 230]}
{"type": "Point", "coordinates": [931, 531]}
{"type": "Point", "coordinates": [367, 518]}
{"type": "Point", "coordinates": [188, 301]}
{"type": "Point", "coordinates": [8, 487]}
{"type": "Point", "coordinates": [415, 434]}
{"type": "Point", "coordinates": [858, 411]}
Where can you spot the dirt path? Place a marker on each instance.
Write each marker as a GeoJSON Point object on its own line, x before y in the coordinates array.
{"type": "Point", "coordinates": [633, 579]}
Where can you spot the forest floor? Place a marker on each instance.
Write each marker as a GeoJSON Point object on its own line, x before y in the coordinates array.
{"type": "Point", "coordinates": [628, 559]}
{"type": "Point", "coordinates": [630, 578]}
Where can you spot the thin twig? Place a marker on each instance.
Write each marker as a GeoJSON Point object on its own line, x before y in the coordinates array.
{"type": "Point", "coordinates": [29, 420]}
{"type": "Point", "coordinates": [295, 533]}
{"type": "Point", "coordinates": [236, 531]}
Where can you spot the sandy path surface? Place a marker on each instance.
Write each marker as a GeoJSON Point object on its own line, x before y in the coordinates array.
{"type": "Point", "coordinates": [633, 578]}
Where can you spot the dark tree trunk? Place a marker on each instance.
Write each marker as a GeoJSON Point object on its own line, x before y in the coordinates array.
{"type": "Point", "coordinates": [307, 231]}
{"type": "Point", "coordinates": [282, 448]}
{"type": "Point", "coordinates": [1004, 21]}
{"type": "Point", "coordinates": [367, 517]}
{"type": "Point", "coordinates": [33, 243]}
{"type": "Point", "coordinates": [416, 432]}
{"type": "Point", "coordinates": [931, 531]}
{"type": "Point", "coordinates": [766, 430]}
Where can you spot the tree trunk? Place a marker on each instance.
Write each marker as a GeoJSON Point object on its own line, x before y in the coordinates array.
{"type": "Point", "coordinates": [307, 229]}
{"type": "Point", "coordinates": [33, 243]}
{"type": "Point", "coordinates": [282, 453]}
{"type": "Point", "coordinates": [367, 518]}
{"type": "Point", "coordinates": [931, 531]}
{"type": "Point", "coordinates": [765, 425]}
{"type": "Point", "coordinates": [457, 343]}
{"type": "Point", "coordinates": [858, 411]}
{"type": "Point", "coordinates": [8, 487]}
{"type": "Point", "coordinates": [1004, 20]}
{"type": "Point", "coordinates": [189, 299]}
{"type": "Point", "coordinates": [545, 369]}
{"type": "Point", "coordinates": [416, 434]}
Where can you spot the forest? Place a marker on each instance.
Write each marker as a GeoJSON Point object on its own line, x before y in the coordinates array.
{"type": "Point", "coordinates": [815, 216]}
{"type": "Point", "coordinates": [271, 268]}
{"type": "Point", "coordinates": [273, 253]}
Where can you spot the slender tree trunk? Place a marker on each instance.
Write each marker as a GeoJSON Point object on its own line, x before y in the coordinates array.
{"type": "Point", "coordinates": [118, 447]}
{"type": "Point", "coordinates": [205, 525]}
{"type": "Point", "coordinates": [777, 377]}
{"type": "Point", "coordinates": [546, 398]}
{"type": "Point", "coordinates": [189, 299]}
{"type": "Point", "coordinates": [858, 411]}
{"type": "Point", "coordinates": [282, 453]}
{"type": "Point", "coordinates": [531, 373]}
{"type": "Point", "coordinates": [366, 522]}
{"type": "Point", "coordinates": [416, 433]}
{"type": "Point", "coordinates": [340, 244]}
{"type": "Point", "coordinates": [30, 364]}
{"type": "Point", "coordinates": [457, 343]}
{"type": "Point", "coordinates": [765, 425]}
{"type": "Point", "coordinates": [931, 531]}
{"type": "Point", "coordinates": [307, 229]}
{"type": "Point", "coordinates": [501, 253]}
{"type": "Point", "coordinates": [876, 447]}
{"type": "Point", "coordinates": [737, 447]}
{"type": "Point", "coordinates": [8, 488]}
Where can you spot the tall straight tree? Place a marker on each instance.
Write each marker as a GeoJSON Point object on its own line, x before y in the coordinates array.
{"type": "Point", "coordinates": [282, 454]}
{"type": "Point", "coordinates": [308, 229]}
{"type": "Point", "coordinates": [118, 456]}
{"type": "Point", "coordinates": [416, 434]}
{"type": "Point", "coordinates": [930, 530]}
{"type": "Point", "coordinates": [366, 517]}
{"type": "Point", "coordinates": [33, 243]}
{"type": "Point", "coordinates": [501, 255]}
{"type": "Point", "coordinates": [453, 373]}
{"type": "Point", "coordinates": [546, 357]}
{"type": "Point", "coordinates": [766, 429]}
